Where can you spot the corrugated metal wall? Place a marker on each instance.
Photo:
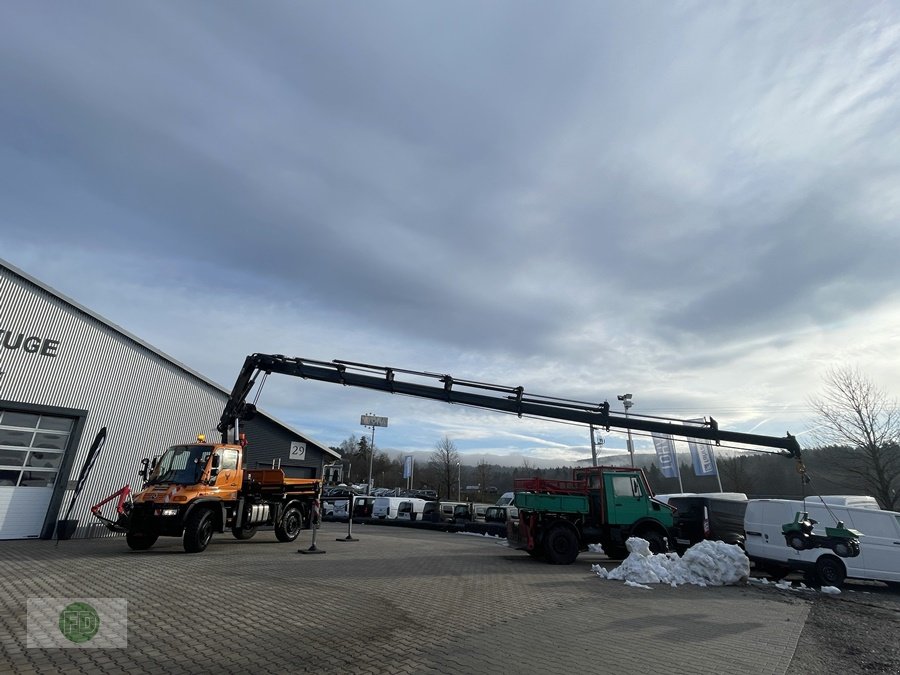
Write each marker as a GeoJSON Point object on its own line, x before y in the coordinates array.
{"type": "Point", "coordinates": [145, 401]}
{"type": "Point", "coordinates": [267, 442]}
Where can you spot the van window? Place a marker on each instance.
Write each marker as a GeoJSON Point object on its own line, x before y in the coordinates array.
{"type": "Point", "coordinates": [872, 523]}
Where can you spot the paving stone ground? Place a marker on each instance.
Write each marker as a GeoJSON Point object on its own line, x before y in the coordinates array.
{"type": "Point", "coordinates": [395, 601]}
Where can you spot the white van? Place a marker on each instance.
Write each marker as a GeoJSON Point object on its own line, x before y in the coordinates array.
{"type": "Point", "coordinates": [411, 509]}
{"type": "Point", "coordinates": [386, 508]}
{"type": "Point", "coordinates": [879, 557]}
{"type": "Point", "coordinates": [856, 501]}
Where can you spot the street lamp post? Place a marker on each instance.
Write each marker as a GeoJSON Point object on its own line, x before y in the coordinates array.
{"type": "Point", "coordinates": [373, 421]}
{"type": "Point", "coordinates": [458, 483]}
{"type": "Point", "coordinates": [627, 402]}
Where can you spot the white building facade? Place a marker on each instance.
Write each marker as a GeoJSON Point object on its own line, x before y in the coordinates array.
{"type": "Point", "coordinates": [66, 373]}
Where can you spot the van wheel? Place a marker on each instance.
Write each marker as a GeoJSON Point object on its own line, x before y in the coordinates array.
{"type": "Point", "coordinates": [562, 546]}
{"type": "Point", "coordinates": [291, 524]}
{"type": "Point", "coordinates": [830, 571]}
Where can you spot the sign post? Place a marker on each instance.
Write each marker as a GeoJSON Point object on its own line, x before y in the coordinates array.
{"type": "Point", "coordinates": [371, 420]}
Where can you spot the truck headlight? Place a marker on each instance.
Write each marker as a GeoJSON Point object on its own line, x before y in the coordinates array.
{"type": "Point", "coordinates": [170, 512]}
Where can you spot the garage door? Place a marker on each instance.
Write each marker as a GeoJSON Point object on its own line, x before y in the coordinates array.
{"type": "Point", "coordinates": [32, 447]}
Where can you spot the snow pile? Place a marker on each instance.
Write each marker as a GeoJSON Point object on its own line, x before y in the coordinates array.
{"type": "Point", "coordinates": [708, 563]}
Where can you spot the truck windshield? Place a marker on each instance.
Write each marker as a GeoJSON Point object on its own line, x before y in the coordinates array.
{"type": "Point", "coordinates": [182, 464]}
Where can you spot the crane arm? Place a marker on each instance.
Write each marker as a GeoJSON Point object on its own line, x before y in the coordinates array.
{"type": "Point", "coordinates": [478, 394]}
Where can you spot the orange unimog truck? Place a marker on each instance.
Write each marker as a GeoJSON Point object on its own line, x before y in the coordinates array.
{"type": "Point", "coordinates": [197, 489]}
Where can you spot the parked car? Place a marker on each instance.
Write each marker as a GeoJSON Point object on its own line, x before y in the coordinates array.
{"type": "Point", "coordinates": [879, 545]}
{"type": "Point", "coordinates": [431, 512]}
{"type": "Point", "coordinates": [498, 514]}
{"type": "Point", "coordinates": [411, 509]}
{"type": "Point", "coordinates": [386, 507]}
{"type": "Point", "coordinates": [448, 510]}
{"type": "Point", "coordinates": [700, 517]}
{"type": "Point", "coordinates": [362, 507]}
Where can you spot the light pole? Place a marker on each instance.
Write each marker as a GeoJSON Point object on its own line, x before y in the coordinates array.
{"type": "Point", "coordinates": [627, 402]}
{"type": "Point", "coordinates": [373, 421]}
{"type": "Point", "coordinates": [458, 483]}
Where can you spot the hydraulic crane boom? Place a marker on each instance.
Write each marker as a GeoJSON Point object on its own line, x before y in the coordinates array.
{"type": "Point", "coordinates": [479, 394]}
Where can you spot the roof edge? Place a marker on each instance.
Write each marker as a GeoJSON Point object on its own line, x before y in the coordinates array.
{"type": "Point", "coordinates": [138, 341]}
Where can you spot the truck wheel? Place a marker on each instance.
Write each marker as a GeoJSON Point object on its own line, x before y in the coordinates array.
{"type": "Point", "coordinates": [291, 524]}
{"type": "Point", "coordinates": [140, 541]}
{"type": "Point", "coordinates": [198, 530]}
{"type": "Point", "coordinates": [797, 541]}
{"type": "Point", "coordinates": [537, 552]}
{"type": "Point", "coordinates": [243, 533]}
{"type": "Point", "coordinates": [562, 546]}
{"type": "Point", "coordinates": [656, 540]}
{"type": "Point", "coordinates": [615, 551]}
{"type": "Point", "coordinates": [830, 571]}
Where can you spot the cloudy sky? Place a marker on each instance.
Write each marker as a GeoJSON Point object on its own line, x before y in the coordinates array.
{"type": "Point", "coordinates": [696, 203]}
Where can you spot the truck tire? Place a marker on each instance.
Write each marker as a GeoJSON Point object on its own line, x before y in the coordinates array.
{"type": "Point", "coordinates": [140, 541]}
{"type": "Point", "coordinates": [244, 533]}
{"type": "Point", "coordinates": [538, 552]}
{"type": "Point", "coordinates": [830, 571]}
{"type": "Point", "coordinates": [561, 546]}
{"type": "Point", "coordinates": [291, 523]}
{"type": "Point", "coordinates": [656, 540]}
{"type": "Point", "coordinates": [615, 551]}
{"type": "Point", "coordinates": [198, 530]}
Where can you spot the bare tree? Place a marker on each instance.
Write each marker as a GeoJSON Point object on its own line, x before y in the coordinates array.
{"type": "Point", "coordinates": [445, 462]}
{"type": "Point", "coordinates": [854, 412]}
{"type": "Point", "coordinates": [736, 474]}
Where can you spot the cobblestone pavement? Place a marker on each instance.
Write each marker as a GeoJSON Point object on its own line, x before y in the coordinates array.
{"type": "Point", "coordinates": [395, 601]}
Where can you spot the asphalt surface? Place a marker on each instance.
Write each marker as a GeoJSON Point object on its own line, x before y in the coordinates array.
{"type": "Point", "coordinates": [397, 600]}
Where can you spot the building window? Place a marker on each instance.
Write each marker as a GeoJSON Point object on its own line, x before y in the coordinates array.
{"type": "Point", "coordinates": [32, 446]}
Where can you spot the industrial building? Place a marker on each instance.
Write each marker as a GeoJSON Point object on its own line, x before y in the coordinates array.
{"type": "Point", "coordinates": [65, 374]}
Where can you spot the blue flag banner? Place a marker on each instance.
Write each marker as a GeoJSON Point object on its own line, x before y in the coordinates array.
{"type": "Point", "coordinates": [407, 466]}
{"type": "Point", "coordinates": [703, 458]}
{"type": "Point", "coordinates": [665, 452]}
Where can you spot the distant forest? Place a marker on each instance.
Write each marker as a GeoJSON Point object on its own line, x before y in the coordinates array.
{"type": "Point", "coordinates": [756, 475]}
{"type": "Point", "coordinates": [830, 471]}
